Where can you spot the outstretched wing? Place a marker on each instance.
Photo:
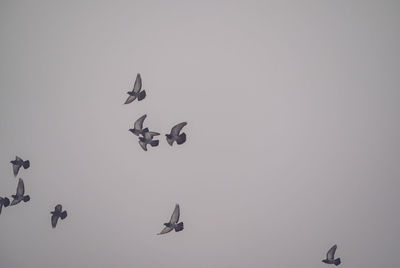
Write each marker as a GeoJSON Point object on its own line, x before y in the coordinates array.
{"type": "Point", "coordinates": [16, 169]}
{"type": "Point", "coordinates": [20, 187]}
{"type": "Point", "coordinates": [58, 208]}
{"type": "Point", "coordinates": [143, 145]}
{"type": "Point", "coordinates": [130, 99]}
{"type": "Point", "coordinates": [149, 135]}
{"type": "Point", "coordinates": [138, 84]}
{"type": "Point", "coordinates": [165, 230]}
{"type": "Point", "coordinates": [139, 123]}
{"type": "Point", "coordinates": [175, 215]}
{"type": "Point", "coordinates": [331, 253]}
{"type": "Point", "coordinates": [54, 219]}
{"type": "Point", "coordinates": [177, 128]}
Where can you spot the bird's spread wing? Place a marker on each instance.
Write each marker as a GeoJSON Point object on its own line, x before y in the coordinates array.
{"type": "Point", "coordinates": [58, 208]}
{"type": "Point", "coordinates": [165, 230]}
{"type": "Point", "coordinates": [143, 145]}
{"type": "Point", "coordinates": [331, 253]}
{"type": "Point", "coordinates": [149, 135]}
{"type": "Point", "coordinates": [54, 219]}
{"type": "Point", "coordinates": [138, 84]}
{"type": "Point", "coordinates": [139, 123]}
{"type": "Point", "coordinates": [176, 129]}
{"type": "Point", "coordinates": [130, 99]}
{"type": "Point", "coordinates": [15, 201]}
{"type": "Point", "coordinates": [175, 215]}
{"type": "Point", "coordinates": [16, 169]}
{"type": "Point", "coordinates": [1, 206]}
{"type": "Point", "coordinates": [20, 187]}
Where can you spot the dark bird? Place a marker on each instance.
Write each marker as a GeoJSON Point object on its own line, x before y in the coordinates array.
{"type": "Point", "coordinates": [175, 136]}
{"type": "Point", "coordinates": [173, 222]}
{"type": "Point", "coordinates": [4, 201]}
{"type": "Point", "coordinates": [330, 257]}
{"type": "Point", "coordinates": [148, 139]}
{"type": "Point", "coordinates": [57, 213]}
{"type": "Point", "coordinates": [136, 91]}
{"type": "Point", "coordinates": [18, 163]}
{"type": "Point", "coordinates": [19, 196]}
{"type": "Point", "coordinates": [138, 127]}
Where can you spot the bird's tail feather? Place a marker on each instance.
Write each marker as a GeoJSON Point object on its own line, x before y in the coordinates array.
{"type": "Point", "coordinates": [64, 214]}
{"type": "Point", "coordinates": [181, 139]}
{"type": "Point", "coordinates": [142, 95]}
{"type": "Point", "coordinates": [337, 261]}
{"type": "Point", "coordinates": [26, 198]}
{"type": "Point", "coordinates": [26, 164]}
{"type": "Point", "coordinates": [179, 227]}
{"type": "Point", "coordinates": [154, 143]}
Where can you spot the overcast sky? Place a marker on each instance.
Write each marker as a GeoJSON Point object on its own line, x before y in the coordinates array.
{"type": "Point", "coordinates": [292, 136]}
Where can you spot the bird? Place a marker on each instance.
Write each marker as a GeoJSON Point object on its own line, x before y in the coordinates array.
{"type": "Point", "coordinates": [19, 196]}
{"type": "Point", "coordinates": [18, 163]}
{"type": "Point", "coordinates": [4, 201]}
{"type": "Point", "coordinates": [148, 139]}
{"type": "Point", "coordinates": [173, 222]}
{"type": "Point", "coordinates": [138, 127]}
{"type": "Point", "coordinates": [57, 213]}
{"type": "Point", "coordinates": [136, 91]}
{"type": "Point", "coordinates": [175, 136]}
{"type": "Point", "coordinates": [330, 257]}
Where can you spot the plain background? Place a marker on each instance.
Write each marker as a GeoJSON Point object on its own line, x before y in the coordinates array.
{"type": "Point", "coordinates": [293, 132]}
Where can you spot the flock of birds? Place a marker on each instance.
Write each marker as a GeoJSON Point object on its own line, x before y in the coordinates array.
{"type": "Point", "coordinates": [146, 137]}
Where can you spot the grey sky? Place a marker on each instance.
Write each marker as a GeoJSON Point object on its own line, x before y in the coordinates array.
{"type": "Point", "coordinates": [292, 136]}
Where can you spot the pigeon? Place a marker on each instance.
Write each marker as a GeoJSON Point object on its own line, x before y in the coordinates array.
{"type": "Point", "coordinates": [138, 127]}
{"type": "Point", "coordinates": [19, 196]}
{"type": "Point", "coordinates": [136, 93]}
{"type": "Point", "coordinates": [18, 163]}
{"type": "Point", "coordinates": [175, 136]}
{"type": "Point", "coordinates": [173, 222]}
{"type": "Point", "coordinates": [330, 257]}
{"type": "Point", "coordinates": [4, 201]}
{"type": "Point", "coordinates": [57, 213]}
{"type": "Point", "coordinates": [148, 139]}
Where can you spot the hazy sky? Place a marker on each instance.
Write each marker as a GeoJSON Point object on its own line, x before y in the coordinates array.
{"type": "Point", "coordinates": [292, 136]}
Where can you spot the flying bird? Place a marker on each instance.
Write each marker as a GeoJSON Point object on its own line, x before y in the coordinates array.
{"type": "Point", "coordinates": [330, 257]}
{"type": "Point", "coordinates": [57, 213]}
{"type": "Point", "coordinates": [138, 127]}
{"type": "Point", "coordinates": [148, 139]}
{"type": "Point", "coordinates": [19, 196]}
{"type": "Point", "coordinates": [4, 201]}
{"type": "Point", "coordinates": [173, 222]}
{"type": "Point", "coordinates": [18, 163]}
{"type": "Point", "coordinates": [136, 91]}
{"type": "Point", "coordinates": [175, 136]}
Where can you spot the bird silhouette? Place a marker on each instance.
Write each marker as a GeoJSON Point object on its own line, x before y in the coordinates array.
{"type": "Point", "coordinates": [57, 213]}
{"type": "Point", "coordinates": [18, 163]}
{"type": "Point", "coordinates": [19, 196]}
{"type": "Point", "coordinates": [136, 91]}
{"type": "Point", "coordinates": [138, 126]}
{"type": "Point", "coordinates": [175, 136]}
{"type": "Point", "coordinates": [4, 201]}
{"type": "Point", "coordinates": [173, 222]}
{"type": "Point", "coordinates": [148, 139]}
{"type": "Point", "coordinates": [330, 257]}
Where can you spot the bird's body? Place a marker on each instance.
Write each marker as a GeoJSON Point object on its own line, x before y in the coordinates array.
{"type": "Point", "coordinates": [18, 163]}
{"type": "Point", "coordinates": [330, 257]}
{"type": "Point", "coordinates": [173, 222]}
{"type": "Point", "coordinates": [4, 201]}
{"type": "Point", "coordinates": [138, 127]}
{"type": "Point", "coordinates": [20, 195]}
{"type": "Point", "coordinates": [56, 214]}
{"type": "Point", "coordinates": [136, 91]}
{"type": "Point", "coordinates": [148, 139]}
{"type": "Point", "coordinates": [175, 134]}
